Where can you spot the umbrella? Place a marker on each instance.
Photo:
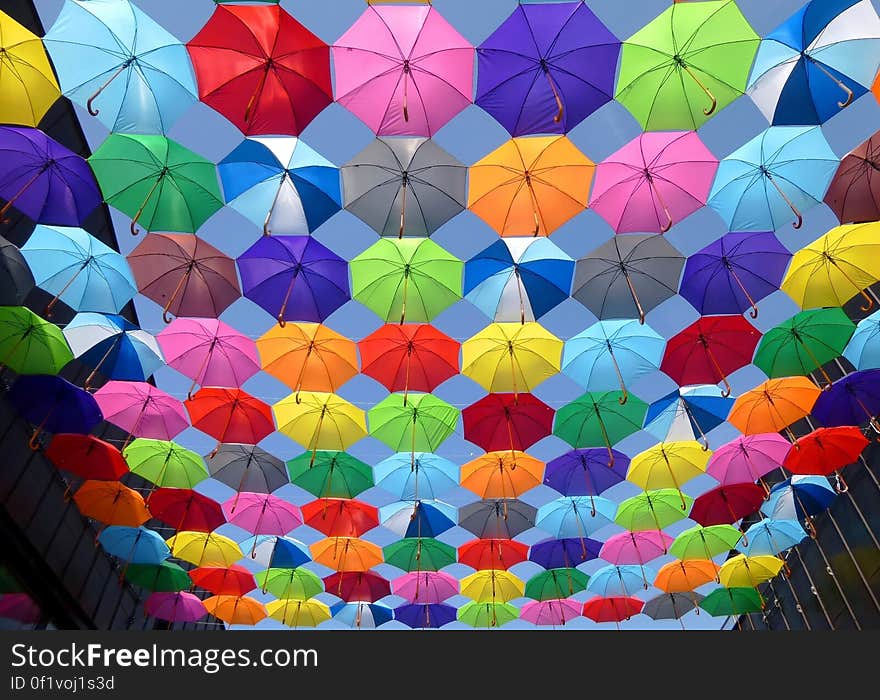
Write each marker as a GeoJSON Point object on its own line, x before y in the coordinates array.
{"type": "Point", "coordinates": [652, 510]}
{"type": "Point", "coordinates": [653, 182]}
{"type": "Point", "coordinates": [530, 186]}
{"type": "Point", "coordinates": [403, 70]}
{"type": "Point", "coordinates": [511, 356]}
{"type": "Point", "coordinates": [404, 186]}
{"type": "Point", "coordinates": [492, 553]}
{"type": "Point", "coordinates": [668, 465]}
{"type": "Point", "coordinates": [230, 415]}
{"type": "Point", "coordinates": [612, 354]}
{"type": "Point", "coordinates": [320, 421]}
{"type": "Point", "coordinates": [816, 62]}
{"type": "Point", "coordinates": [804, 343]}
{"type": "Point", "coordinates": [364, 586]}
{"type": "Point", "coordinates": [863, 348]}
{"type": "Point", "coordinates": [204, 548]}
{"type": "Point", "coordinates": [273, 551]}
{"type": "Point", "coordinates": [672, 606]}
{"type": "Point", "coordinates": [165, 576]}
{"type": "Point", "coordinates": [741, 570]}
{"type": "Point", "coordinates": [619, 579]}
{"type": "Point", "coordinates": [363, 615]}
{"type": "Point", "coordinates": [518, 279]}
{"type": "Point", "coordinates": [410, 279]}
{"type": "Point", "coordinates": [503, 474]}
{"type": "Point", "coordinates": [45, 180]}
{"type": "Point", "coordinates": [111, 503]}
{"type": "Point", "coordinates": [16, 278]}
{"type": "Point", "coordinates": [701, 542]}
{"type": "Point", "coordinates": [157, 182]}
{"type": "Point", "coordinates": [271, 268]}
{"type": "Point", "coordinates": [308, 356]}
{"type": "Point", "coordinates": [78, 269]}
{"type": "Point", "coordinates": [852, 194]}
{"type": "Point", "coordinates": [799, 498]}
{"type": "Point", "coordinates": [497, 518]}
{"type": "Point", "coordinates": [30, 344]}
{"type": "Point", "coordinates": [409, 356]}
{"type": "Point", "coordinates": [727, 504]}
{"type": "Point", "coordinates": [585, 472]}
{"type": "Point", "coordinates": [185, 509]}
{"type": "Point", "coordinates": [691, 60]}
{"type": "Point", "coordinates": [141, 410]}
{"type": "Point", "coordinates": [708, 350]}
{"type": "Point", "coordinates": [774, 405]}
{"type": "Point", "coordinates": [564, 553]}
{"type": "Point", "coordinates": [491, 585]}
{"type": "Point", "coordinates": [299, 613]}
{"type": "Point", "coordinates": [86, 456]}
{"type": "Point", "coordinates": [295, 584]}
{"type": "Point", "coordinates": [600, 419]}
{"type": "Point", "coordinates": [550, 612]}
{"type": "Point", "coordinates": [209, 352]}
{"type": "Point", "coordinates": [748, 458]}
{"type": "Point", "coordinates": [164, 463]}
{"type": "Point", "coordinates": [28, 84]}
{"type": "Point", "coordinates": [262, 513]}
{"type": "Point", "coordinates": [628, 276]}
{"type": "Point", "coordinates": [54, 405]}
{"type": "Point", "coordinates": [340, 517]}
{"type": "Point", "coordinates": [133, 545]}
{"type": "Point", "coordinates": [418, 422]}
{"type": "Point", "coordinates": [507, 421]}
{"type": "Point", "coordinates": [771, 537]}
{"type": "Point", "coordinates": [233, 580]}
{"type": "Point", "coordinates": [575, 516]}
{"type": "Point", "coordinates": [556, 584]}
{"type": "Point", "coordinates": [247, 468]}
{"type": "Point", "coordinates": [331, 474]}
{"type": "Point", "coordinates": [422, 518]}
{"type": "Point", "coordinates": [546, 68]}
{"type": "Point", "coordinates": [773, 179]}
{"type": "Point", "coordinates": [851, 400]}
{"type": "Point", "coordinates": [686, 575]}
{"type": "Point", "coordinates": [411, 477]}
{"type": "Point", "coordinates": [425, 586]}
{"type": "Point", "coordinates": [185, 275]}
{"type": "Point", "coordinates": [487, 614]}
{"type": "Point", "coordinates": [635, 547]}
{"type": "Point", "coordinates": [346, 553]}
{"type": "Point", "coordinates": [235, 609]}
{"type": "Point", "coordinates": [825, 451]}
{"type": "Point", "coordinates": [613, 608]}
{"type": "Point", "coordinates": [688, 414]}
{"type": "Point", "coordinates": [425, 616]}
{"type": "Point", "coordinates": [261, 69]}
{"type": "Point", "coordinates": [731, 275]}
{"type": "Point", "coordinates": [732, 601]}
{"type": "Point", "coordinates": [419, 554]}
{"type": "Point", "coordinates": [280, 184]}
{"type": "Point", "coordinates": [180, 606]}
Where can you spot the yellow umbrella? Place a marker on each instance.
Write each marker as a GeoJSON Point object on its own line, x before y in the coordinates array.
{"type": "Point", "coordinates": [346, 553]}
{"type": "Point", "coordinates": [320, 421]}
{"type": "Point", "coordinates": [748, 572]}
{"type": "Point", "coordinates": [836, 267]}
{"type": "Point", "coordinates": [668, 465]}
{"type": "Point", "coordinates": [298, 613]}
{"type": "Point", "coordinates": [235, 609]}
{"type": "Point", "coordinates": [27, 82]}
{"type": "Point", "coordinates": [204, 548]}
{"type": "Point", "coordinates": [511, 356]}
{"type": "Point", "coordinates": [492, 586]}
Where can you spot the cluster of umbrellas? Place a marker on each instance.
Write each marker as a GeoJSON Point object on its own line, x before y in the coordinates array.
{"type": "Point", "coordinates": [366, 533]}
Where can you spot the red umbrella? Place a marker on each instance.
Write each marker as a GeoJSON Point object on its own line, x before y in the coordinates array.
{"type": "Point", "coordinates": [724, 505]}
{"type": "Point", "coordinates": [854, 192]}
{"type": "Point", "coordinates": [185, 509]}
{"type": "Point", "coordinates": [219, 580]}
{"type": "Point", "coordinates": [613, 608]}
{"type": "Point", "coordinates": [357, 585]}
{"type": "Point", "coordinates": [86, 456]}
{"type": "Point", "coordinates": [492, 553]}
{"type": "Point", "coordinates": [826, 450]}
{"type": "Point", "coordinates": [340, 517]}
{"type": "Point", "coordinates": [230, 415]}
{"type": "Point", "coordinates": [261, 69]}
{"type": "Point", "coordinates": [709, 349]}
{"type": "Point", "coordinates": [507, 422]}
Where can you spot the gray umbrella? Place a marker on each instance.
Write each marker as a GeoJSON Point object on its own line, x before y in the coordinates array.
{"type": "Point", "coordinates": [502, 518]}
{"type": "Point", "coordinates": [628, 276]}
{"type": "Point", "coordinates": [16, 280]}
{"type": "Point", "coordinates": [404, 186]}
{"type": "Point", "coordinates": [247, 468]}
{"type": "Point", "coordinates": [672, 606]}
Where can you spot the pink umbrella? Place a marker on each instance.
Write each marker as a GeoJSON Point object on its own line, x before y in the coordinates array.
{"type": "Point", "coordinates": [142, 410]}
{"type": "Point", "coordinates": [635, 547]}
{"type": "Point", "coordinates": [748, 458]}
{"type": "Point", "coordinates": [209, 352]}
{"type": "Point", "coordinates": [180, 606]}
{"type": "Point", "coordinates": [20, 607]}
{"type": "Point", "coordinates": [425, 587]}
{"type": "Point", "coordinates": [404, 70]}
{"type": "Point", "coordinates": [262, 513]}
{"type": "Point", "coordinates": [654, 181]}
{"type": "Point", "coordinates": [550, 612]}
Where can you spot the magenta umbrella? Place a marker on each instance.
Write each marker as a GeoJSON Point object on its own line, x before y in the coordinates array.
{"type": "Point", "coordinates": [179, 606]}
{"type": "Point", "coordinates": [635, 547]}
{"type": "Point", "coordinates": [142, 410]}
{"type": "Point", "coordinates": [748, 458]}
{"type": "Point", "coordinates": [425, 587]}
{"type": "Point", "coordinates": [262, 513]}
{"type": "Point", "coordinates": [654, 181]}
{"type": "Point", "coordinates": [404, 70]}
{"type": "Point", "coordinates": [548, 613]}
{"type": "Point", "coordinates": [209, 352]}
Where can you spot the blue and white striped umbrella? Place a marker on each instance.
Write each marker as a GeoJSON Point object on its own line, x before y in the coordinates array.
{"type": "Point", "coordinates": [688, 414]}
{"type": "Point", "coordinates": [362, 615]}
{"type": "Point", "coordinates": [421, 518]}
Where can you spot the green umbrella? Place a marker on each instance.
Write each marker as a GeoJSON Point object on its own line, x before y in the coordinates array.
{"type": "Point", "coordinates": [165, 463]}
{"type": "Point", "coordinates": [419, 554]}
{"type": "Point", "coordinates": [291, 584]}
{"type": "Point", "coordinates": [29, 344]}
{"type": "Point", "coordinates": [166, 577]}
{"type": "Point", "coordinates": [705, 542]}
{"type": "Point", "coordinates": [409, 279]}
{"type": "Point", "coordinates": [556, 583]}
{"type": "Point", "coordinates": [157, 181]}
{"type": "Point", "coordinates": [487, 614]}
{"type": "Point", "coordinates": [652, 510]}
{"type": "Point", "coordinates": [331, 474]}
{"type": "Point", "coordinates": [732, 601]}
{"type": "Point", "coordinates": [693, 59]}
{"type": "Point", "coordinates": [412, 423]}
{"type": "Point", "coordinates": [805, 342]}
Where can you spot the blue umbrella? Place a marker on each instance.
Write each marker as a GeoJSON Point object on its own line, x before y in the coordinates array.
{"type": "Point", "coordinates": [362, 615]}
{"type": "Point", "coordinates": [116, 61]}
{"type": "Point", "coordinates": [275, 551]}
{"type": "Point", "coordinates": [863, 348]}
{"type": "Point", "coordinates": [799, 498]}
{"type": "Point", "coordinates": [428, 615]}
{"type": "Point", "coordinates": [575, 516]}
{"type": "Point", "coordinates": [564, 553]}
{"type": "Point", "coordinates": [79, 270]}
{"type": "Point", "coordinates": [412, 476]}
{"type": "Point", "coordinates": [851, 400]}
{"type": "Point", "coordinates": [281, 184]}
{"type": "Point", "coordinates": [54, 404]}
{"type": "Point", "coordinates": [816, 62]}
{"type": "Point", "coordinates": [113, 345]}
{"type": "Point", "coordinates": [518, 279]}
{"type": "Point", "coordinates": [771, 536]}
{"type": "Point", "coordinates": [622, 579]}
{"type": "Point", "coordinates": [687, 413]}
{"type": "Point", "coordinates": [773, 178]}
{"type": "Point", "coordinates": [418, 519]}
{"type": "Point", "coordinates": [134, 545]}
{"type": "Point", "coordinates": [613, 353]}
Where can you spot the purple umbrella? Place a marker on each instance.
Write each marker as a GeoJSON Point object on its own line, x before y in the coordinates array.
{"type": "Point", "coordinates": [564, 553]}
{"type": "Point", "coordinates": [546, 68]}
{"type": "Point", "coordinates": [428, 615]}
{"type": "Point", "coordinates": [851, 400]}
{"type": "Point", "coordinates": [585, 472]}
{"type": "Point", "coordinates": [294, 278]}
{"type": "Point", "coordinates": [179, 606]}
{"type": "Point", "coordinates": [734, 273]}
{"type": "Point", "coordinates": [54, 404]}
{"type": "Point", "coordinates": [43, 179]}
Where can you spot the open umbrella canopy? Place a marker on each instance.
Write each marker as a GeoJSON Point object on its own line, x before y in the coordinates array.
{"type": "Point", "coordinates": [564, 553]}
{"type": "Point", "coordinates": [425, 616]}
{"type": "Point", "coordinates": [500, 518]}
{"type": "Point", "coordinates": [299, 613]}
{"type": "Point", "coordinates": [230, 415]}
{"type": "Point", "coordinates": [419, 554]}
{"type": "Point", "coordinates": [409, 356]}
{"type": "Point", "coordinates": [165, 576]}
{"type": "Point", "coordinates": [16, 278]}
{"type": "Point", "coordinates": [771, 536]}
{"type": "Point", "coordinates": [142, 410]}
{"type": "Point", "coordinates": [672, 606]}
{"type": "Point", "coordinates": [863, 348]}
{"type": "Point", "coordinates": [492, 585]}
{"type": "Point", "coordinates": [181, 606]}
{"type": "Point", "coordinates": [30, 344]}
{"type": "Point", "coordinates": [204, 548]}
{"type": "Point", "coordinates": [774, 405]}
{"type": "Point", "coordinates": [825, 450]}
{"type": "Point", "coordinates": [701, 542]}
{"type": "Point", "coordinates": [134, 545]}
{"type": "Point", "coordinates": [346, 553]}
{"type": "Point", "coordinates": [799, 498]}
{"type": "Point", "coordinates": [507, 421]}
{"type": "Point", "coordinates": [732, 601]}
{"type": "Point", "coordinates": [331, 474]}
{"type": "Point", "coordinates": [600, 419]}
{"type": "Point", "coordinates": [748, 458]}
{"type": "Point", "coordinates": [668, 465]}
{"type": "Point", "coordinates": [274, 551]}
{"type": "Point", "coordinates": [426, 586]}
{"type": "Point", "coordinates": [585, 472]}
{"type": "Point", "coordinates": [653, 510]}
{"type": "Point", "coordinates": [262, 513]}
{"type": "Point", "coordinates": [29, 84]}
{"type": "Point", "coordinates": [221, 580]}
{"type": "Point", "coordinates": [247, 468]}
{"type": "Point", "coordinates": [340, 517]}
{"type": "Point", "coordinates": [853, 193]}
{"type": "Point", "coordinates": [612, 608]}
{"type": "Point", "coordinates": [620, 580]}
{"type": "Point", "coordinates": [320, 421]}
{"type": "Point", "coordinates": [417, 422]}
{"type": "Point", "coordinates": [185, 509]}
{"type": "Point", "coordinates": [297, 584]}
{"type": "Point", "coordinates": [575, 516]}
{"type": "Point", "coordinates": [727, 504]}
{"type": "Point", "coordinates": [499, 554]}
{"type": "Point", "coordinates": [422, 518]}
{"type": "Point", "coordinates": [53, 404]}
{"type": "Point", "coordinates": [688, 414]}
{"type": "Point", "coordinates": [635, 547]}
{"type": "Point", "coordinates": [685, 575]}
{"type": "Point", "coordinates": [165, 463]}
{"type": "Point", "coordinates": [111, 503]}
{"type": "Point", "coordinates": [409, 476]}
{"type": "Point", "coordinates": [361, 615]}
{"type": "Point", "coordinates": [361, 586]}
{"type": "Point", "coordinates": [502, 474]}
{"type": "Point", "coordinates": [487, 613]}
{"type": "Point", "coordinates": [550, 613]}
{"type": "Point", "coordinates": [235, 609]}
{"type": "Point", "coordinates": [556, 584]}
{"type": "Point", "coordinates": [86, 456]}
{"type": "Point", "coordinates": [854, 399]}
{"type": "Point", "coordinates": [749, 571]}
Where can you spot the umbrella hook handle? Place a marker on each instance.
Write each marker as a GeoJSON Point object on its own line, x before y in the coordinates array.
{"type": "Point", "coordinates": [95, 112]}
{"type": "Point", "coordinates": [800, 219]}
{"type": "Point", "coordinates": [840, 484]}
{"type": "Point", "coordinates": [711, 109]}
{"type": "Point", "coordinates": [849, 93]}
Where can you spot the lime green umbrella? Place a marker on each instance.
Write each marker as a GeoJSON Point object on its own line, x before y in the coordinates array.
{"type": "Point", "coordinates": [554, 584]}
{"type": "Point", "coordinates": [406, 279]}
{"type": "Point", "coordinates": [690, 61]}
{"type": "Point", "coordinates": [419, 554]}
{"type": "Point", "coordinates": [487, 614]}
{"type": "Point", "coordinates": [704, 542]}
{"type": "Point", "coordinates": [30, 344]}
{"type": "Point", "coordinates": [291, 584]}
{"type": "Point", "coordinates": [165, 463]}
{"type": "Point", "coordinates": [157, 181]}
{"type": "Point", "coordinates": [330, 474]}
{"type": "Point", "coordinates": [805, 342]}
{"type": "Point", "coordinates": [166, 577]}
{"type": "Point", "coordinates": [652, 510]}
{"type": "Point", "coordinates": [732, 601]}
{"type": "Point", "coordinates": [412, 423]}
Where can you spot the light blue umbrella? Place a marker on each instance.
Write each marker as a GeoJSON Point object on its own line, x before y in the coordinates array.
{"type": "Point", "coordinates": [575, 516]}
{"type": "Point", "coordinates": [117, 62]}
{"type": "Point", "coordinates": [688, 413]}
{"type": "Point", "coordinates": [411, 477]}
{"type": "Point", "coordinates": [518, 279]}
{"type": "Point", "coordinates": [771, 536]}
{"type": "Point", "coordinates": [362, 615]}
{"type": "Point", "coordinates": [134, 545]}
{"type": "Point", "coordinates": [281, 184]}
{"type": "Point", "coordinates": [621, 579]}
{"type": "Point", "coordinates": [863, 348]}
{"type": "Point", "coordinates": [420, 518]}
{"type": "Point", "coordinates": [611, 354]}
{"type": "Point", "coordinates": [78, 269]}
{"type": "Point", "coordinates": [773, 179]}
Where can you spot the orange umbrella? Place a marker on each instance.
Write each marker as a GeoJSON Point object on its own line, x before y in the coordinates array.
{"type": "Point", "coordinates": [111, 503]}
{"type": "Point", "coordinates": [235, 610]}
{"type": "Point", "coordinates": [502, 474]}
{"type": "Point", "coordinates": [530, 186]}
{"type": "Point", "coordinates": [686, 575]}
{"type": "Point", "coordinates": [774, 406]}
{"type": "Point", "coordinates": [346, 553]}
{"type": "Point", "coordinates": [308, 356]}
